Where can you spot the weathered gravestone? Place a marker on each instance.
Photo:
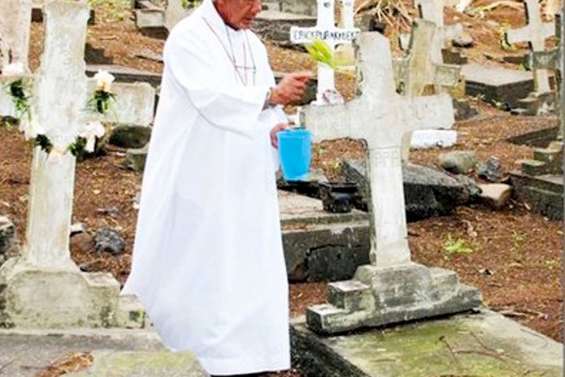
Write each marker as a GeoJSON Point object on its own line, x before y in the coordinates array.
{"type": "Point", "coordinates": [420, 74]}
{"type": "Point", "coordinates": [535, 33]}
{"type": "Point", "coordinates": [44, 288]}
{"type": "Point", "coordinates": [159, 21]}
{"type": "Point", "coordinates": [392, 289]}
{"type": "Point", "coordinates": [14, 32]}
{"type": "Point", "coordinates": [433, 11]}
{"type": "Point", "coordinates": [327, 31]}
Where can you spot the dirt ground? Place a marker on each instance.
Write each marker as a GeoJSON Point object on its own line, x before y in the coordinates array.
{"type": "Point", "coordinates": [512, 255]}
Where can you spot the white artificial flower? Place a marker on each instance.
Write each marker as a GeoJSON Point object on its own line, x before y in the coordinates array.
{"type": "Point", "coordinates": [14, 69]}
{"type": "Point", "coordinates": [90, 132]}
{"type": "Point", "coordinates": [104, 81]}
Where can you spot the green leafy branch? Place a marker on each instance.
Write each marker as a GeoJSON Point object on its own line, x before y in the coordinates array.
{"type": "Point", "coordinates": [321, 52]}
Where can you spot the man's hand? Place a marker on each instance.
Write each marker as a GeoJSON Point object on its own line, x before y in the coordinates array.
{"type": "Point", "coordinates": [278, 128]}
{"type": "Point", "coordinates": [290, 89]}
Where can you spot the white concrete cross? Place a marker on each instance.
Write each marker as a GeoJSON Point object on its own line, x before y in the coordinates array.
{"type": "Point", "coordinates": [433, 11]}
{"type": "Point", "coordinates": [381, 117]}
{"type": "Point", "coordinates": [327, 31]}
{"type": "Point", "coordinates": [535, 33]}
{"type": "Point", "coordinates": [15, 23]}
{"type": "Point", "coordinates": [416, 74]}
{"type": "Point", "coordinates": [60, 93]}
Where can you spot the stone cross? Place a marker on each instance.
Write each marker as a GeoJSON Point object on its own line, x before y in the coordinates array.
{"type": "Point", "coordinates": [381, 117]}
{"type": "Point", "coordinates": [433, 11]}
{"type": "Point", "coordinates": [60, 94]}
{"type": "Point", "coordinates": [418, 74]}
{"type": "Point", "coordinates": [15, 23]}
{"type": "Point", "coordinates": [327, 31]}
{"type": "Point", "coordinates": [535, 33]}
{"type": "Point", "coordinates": [392, 288]}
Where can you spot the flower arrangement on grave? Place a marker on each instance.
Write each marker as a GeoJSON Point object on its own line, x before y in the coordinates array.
{"type": "Point", "coordinates": [100, 103]}
{"type": "Point", "coordinates": [102, 99]}
{"type": "Point", "coordinates": [18, 90]}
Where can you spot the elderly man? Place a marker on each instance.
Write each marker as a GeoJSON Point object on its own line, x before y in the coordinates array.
{"type": "Point", "coordinates": [208, 262]}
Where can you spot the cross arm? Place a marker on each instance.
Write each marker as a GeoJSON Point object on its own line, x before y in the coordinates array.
{"type": "Point", "coordinates": [331, 122]}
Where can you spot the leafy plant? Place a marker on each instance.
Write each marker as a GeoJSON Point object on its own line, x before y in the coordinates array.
{"type": "Point", "coordinates": [20, 99]}
{"type": "Point", "coordinates": [321, 52]}
{"type": "Point", "coordinates": [457, 246]}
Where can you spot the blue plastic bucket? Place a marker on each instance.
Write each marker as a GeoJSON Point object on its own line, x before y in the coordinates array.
{"type": "Point", "coordinates": [295, 151]}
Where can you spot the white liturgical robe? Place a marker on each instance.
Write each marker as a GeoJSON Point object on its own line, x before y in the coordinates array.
{"type": "Point", "coordinates": [208, 263]}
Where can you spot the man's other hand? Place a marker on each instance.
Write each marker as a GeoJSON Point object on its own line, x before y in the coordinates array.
{"type": "Point", "coordinates": [290, 89]}
{"type": "Point", "coordinates": [278, 128]}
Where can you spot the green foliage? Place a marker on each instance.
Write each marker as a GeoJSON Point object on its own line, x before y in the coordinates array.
{"type": "Point", "coordinates": [77, 148]}
{"type": "Point", "coordinates": [18, 91]}
{"type": "Point", "coordinates": [44, 143]}
{"type": "Point", "coordinates": [189, 4]}
{"type": "Point", "coordinates": [457, 246]}
{"type": "Point", "coordinates": [101, 101]}
{"type": "Point", "coordinates": [321, 52]}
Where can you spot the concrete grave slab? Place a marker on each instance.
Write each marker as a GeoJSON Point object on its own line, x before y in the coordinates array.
{"type": "Point", "coordinates": [480, 345]}
{"type": "Point", "coordinates": [321, 246]}
{"type": "Point", "coordinates": [26, 352]}
{"type": "Point", "coordinates": [544, 193]}
{"type": "Point", "coordinates": [497, 85]}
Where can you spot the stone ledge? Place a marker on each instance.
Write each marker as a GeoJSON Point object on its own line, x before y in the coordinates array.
{"type": "Point", "coordinates": [419, 349]}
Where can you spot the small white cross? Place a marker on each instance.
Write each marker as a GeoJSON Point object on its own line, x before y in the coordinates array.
{"type": "Point", "coordinates": [327, 31]}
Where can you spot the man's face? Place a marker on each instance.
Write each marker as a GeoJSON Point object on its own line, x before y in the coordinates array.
{"type": "Point", "coordinates": [239, 14]}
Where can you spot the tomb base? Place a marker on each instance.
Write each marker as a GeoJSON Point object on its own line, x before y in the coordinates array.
{"type": "Point", "coordinates": [32, 297]}
{"type": "Point", "coordinates": [379, 296]}
{"type": "Point", "coordinates": [484, 344]}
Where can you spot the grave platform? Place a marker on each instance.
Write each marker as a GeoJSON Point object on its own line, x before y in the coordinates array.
{"type": "Point", "coordinates": [321, 246]}
{"type": "Point", "coordinates": [544, 193]}
{"type": "Point", "coordinates": [498, 85]}
{"type": "Point", "coordinates": [484, 344]}
{"type": "Point", "coordinates": [117, 353]}
{"type": "Point", "coordinates": [539, 181]}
